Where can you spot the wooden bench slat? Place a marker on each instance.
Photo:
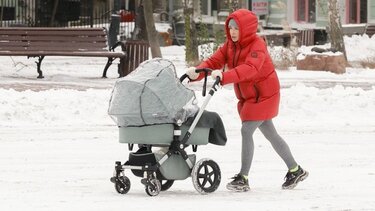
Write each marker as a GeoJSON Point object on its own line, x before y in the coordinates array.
{"type": "Point", "coordinates": [52, 33]}
{"type": "Point", "coordinates": [41, 44]}
{"type": "Point", "coordinates": [61, 53]}
{"type": "Point", "coordinates": [7, 36]}
{"type": "Point", "coordinates": [52, 48]}
{"type": "Point", "coordinates": [55, 38]}
{"type": "Point", "coordinates": [20, 29]}
{"type": "Point", "coordinates": [51, 29]}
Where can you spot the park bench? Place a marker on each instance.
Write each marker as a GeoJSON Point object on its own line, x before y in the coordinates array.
{"type": "Point", "coordinates": [42, 42]}
{"type": "Point", "coordinates": [370, 29]}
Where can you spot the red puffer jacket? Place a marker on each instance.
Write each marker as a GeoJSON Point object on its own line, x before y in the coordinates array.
{"type": "Point", "coordinates": [250, 69]}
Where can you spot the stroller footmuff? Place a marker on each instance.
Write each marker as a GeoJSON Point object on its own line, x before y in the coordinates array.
{"type": "Point", "coordinates": [147, 116]}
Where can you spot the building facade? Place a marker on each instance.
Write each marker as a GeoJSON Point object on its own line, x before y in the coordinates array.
{"type": "Point", "coordinates": [297, 13]}
{"type": "Point", "coordinates": [314, 13]}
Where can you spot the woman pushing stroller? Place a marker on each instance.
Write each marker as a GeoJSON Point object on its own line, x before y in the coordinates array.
{"type": "Point", "coordinates": [244, 61]}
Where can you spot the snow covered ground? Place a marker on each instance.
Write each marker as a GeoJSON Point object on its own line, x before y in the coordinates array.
{"type": "Point", "coordinates": [58, 146]}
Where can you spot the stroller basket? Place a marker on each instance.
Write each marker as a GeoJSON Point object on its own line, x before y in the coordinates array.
{"type": "Point", "coordinates": [140, 159]}
{"type": "Point", "coordinates": [174, 168]}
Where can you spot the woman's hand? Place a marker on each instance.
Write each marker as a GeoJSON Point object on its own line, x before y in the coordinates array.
{"type": "Point", "coordinates": [217, 73]}
{"type": "Point", "coordinates": [190, 72]}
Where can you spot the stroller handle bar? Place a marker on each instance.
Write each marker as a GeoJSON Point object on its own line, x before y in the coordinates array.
{"type": "Point", "coordinates": [206, 71]}
{"type": "Point", "coordinates": [202, 108]}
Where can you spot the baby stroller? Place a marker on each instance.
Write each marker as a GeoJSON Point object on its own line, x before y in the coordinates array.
{"type": "Point", "coordinates": [152, 108]}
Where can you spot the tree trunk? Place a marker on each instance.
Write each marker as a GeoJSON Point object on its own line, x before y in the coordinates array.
{"type": "Point", "coordinates": [191, 41]}
{"type": "Point", "coordinates": [150, 26]}
{"type": "Point", "coordinates": [335, 28]}
{"type": "Point", "coordinates": [140, 31]}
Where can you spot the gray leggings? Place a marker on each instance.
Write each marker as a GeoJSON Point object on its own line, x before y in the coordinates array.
{"type": "Point", "coordinates": [269, 131]}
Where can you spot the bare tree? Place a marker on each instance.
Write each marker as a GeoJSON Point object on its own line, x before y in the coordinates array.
{"type": "Point", "coordinates": [140, 31]}
{"type": "Point", "coordinates": [234, 5]}
{"type": "Point", "coordinates": [335, 28]}
{"type": "Point", "coordinates": [151, 31]}
{"type": "Point", "coordinates": [191, 42]}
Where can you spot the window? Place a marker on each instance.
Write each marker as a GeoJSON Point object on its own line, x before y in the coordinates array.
{"type": "Point", "coordinates": [209, 7]}
{"type": "Point", "coordinates": [353, 11]}
{"type": "Point", "coordinates": [305, 11]}
{"type": "Point", "coordinates": [356, 11]}
{"type": "Point", "coordinates": [204, 7]}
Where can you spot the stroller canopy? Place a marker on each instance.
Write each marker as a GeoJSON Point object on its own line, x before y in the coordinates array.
{"type": "Point", "coordinates": [151, 94]}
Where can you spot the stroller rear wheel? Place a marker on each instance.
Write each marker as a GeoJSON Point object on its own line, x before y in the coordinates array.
{"type": "Point", "coordinates": [122, 185]}
{"type": "Point", "coordinates": [166, 184]}
{"type": "Point", "coordinates": [206, 176]}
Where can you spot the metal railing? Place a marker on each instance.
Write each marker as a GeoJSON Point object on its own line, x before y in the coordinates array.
{"type": "Point", "coordinates": [62, 13]}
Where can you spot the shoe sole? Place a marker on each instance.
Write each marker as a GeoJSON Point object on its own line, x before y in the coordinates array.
{"type": "Point", "coordinates": [299, 179]}
{"type": "Point", "coordinates": [238, 189]}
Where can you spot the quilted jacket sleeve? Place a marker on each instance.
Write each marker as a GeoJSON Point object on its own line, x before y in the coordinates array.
{"type": "Point", "coordinates": [247, 70]}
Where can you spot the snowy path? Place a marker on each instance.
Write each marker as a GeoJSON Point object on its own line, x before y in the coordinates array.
{"type": "Point", "coordinates": [58, 145]}
{"type": "Point", "coordinates": [46, 165]}
{"type": "Point", "coordinates": [61, 168]}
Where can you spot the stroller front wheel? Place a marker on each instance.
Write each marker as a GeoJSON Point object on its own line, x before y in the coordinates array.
{"type": "Point", "coordinates": [206, 176]}
{"type": "Point", "coordinates": [122, 185]}
{"type": "Point", "coordinates": [154, 188]}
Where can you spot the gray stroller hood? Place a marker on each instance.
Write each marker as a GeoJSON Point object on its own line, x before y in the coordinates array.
{"type": "Point", "coordinates": [151, 94]}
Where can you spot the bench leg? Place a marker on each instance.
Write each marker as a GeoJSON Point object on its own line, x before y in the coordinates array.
{"type": "Point", "coordinates": [121, 68]}
{"type": "Point", "coordinates": [38, 64]}
{"type": "Point", "coordinates": [109, 62]}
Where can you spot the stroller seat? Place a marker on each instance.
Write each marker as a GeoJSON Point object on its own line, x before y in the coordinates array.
{"type": "Point", "coordinates": [210, 128]}
{"type": "Point", "coordinates": [161, 135]}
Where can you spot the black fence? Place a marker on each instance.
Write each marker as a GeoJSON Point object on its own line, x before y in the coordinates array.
{"type": "Point", "coordinates": [64, 13]}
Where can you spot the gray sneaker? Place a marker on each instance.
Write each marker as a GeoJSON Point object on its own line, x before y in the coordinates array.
{"type": "Point", "coordinates": [239, 184]}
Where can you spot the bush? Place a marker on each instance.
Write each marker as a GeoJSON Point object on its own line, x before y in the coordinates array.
{"type": "Point", "coordinates": [368, 63]}
{"type": "Point", "coordinates": [282, 57]}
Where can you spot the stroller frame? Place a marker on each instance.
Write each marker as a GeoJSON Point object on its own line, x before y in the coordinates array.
{"type": "Point", "coordinates": [152, 178]}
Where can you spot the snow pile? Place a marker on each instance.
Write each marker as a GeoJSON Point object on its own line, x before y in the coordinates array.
{"type": "Point", "coordinates": [360, 47]}
{"type": "Point", "coordinates": [54, 107]}
{"type": "Point", "coordinates": [307, 50]}
{"type": "Point", "coordinates": [308, 107]}
{"type": "Point", "coordinates": [335, 109]}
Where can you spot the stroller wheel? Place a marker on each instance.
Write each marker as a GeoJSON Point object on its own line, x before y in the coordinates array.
{"type": "Point", "coordinates": [154, 188]}
{"type": "Point", "coordinates": [122, 185]}
{"type": "Point", "coordinates": [166, 185]}
{"type": "Point", "coordinates": [206, 176]}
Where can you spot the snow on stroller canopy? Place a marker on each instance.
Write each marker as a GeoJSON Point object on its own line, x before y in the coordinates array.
{"type": "Point", "coordinates": [151, 94]}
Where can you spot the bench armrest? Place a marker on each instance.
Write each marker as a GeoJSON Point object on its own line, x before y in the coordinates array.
{"type": "Point", "coordinates": [119, 43]}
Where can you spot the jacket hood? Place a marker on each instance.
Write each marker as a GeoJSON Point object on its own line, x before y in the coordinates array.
{"type": "Point", "coordinates": [247, 23]}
